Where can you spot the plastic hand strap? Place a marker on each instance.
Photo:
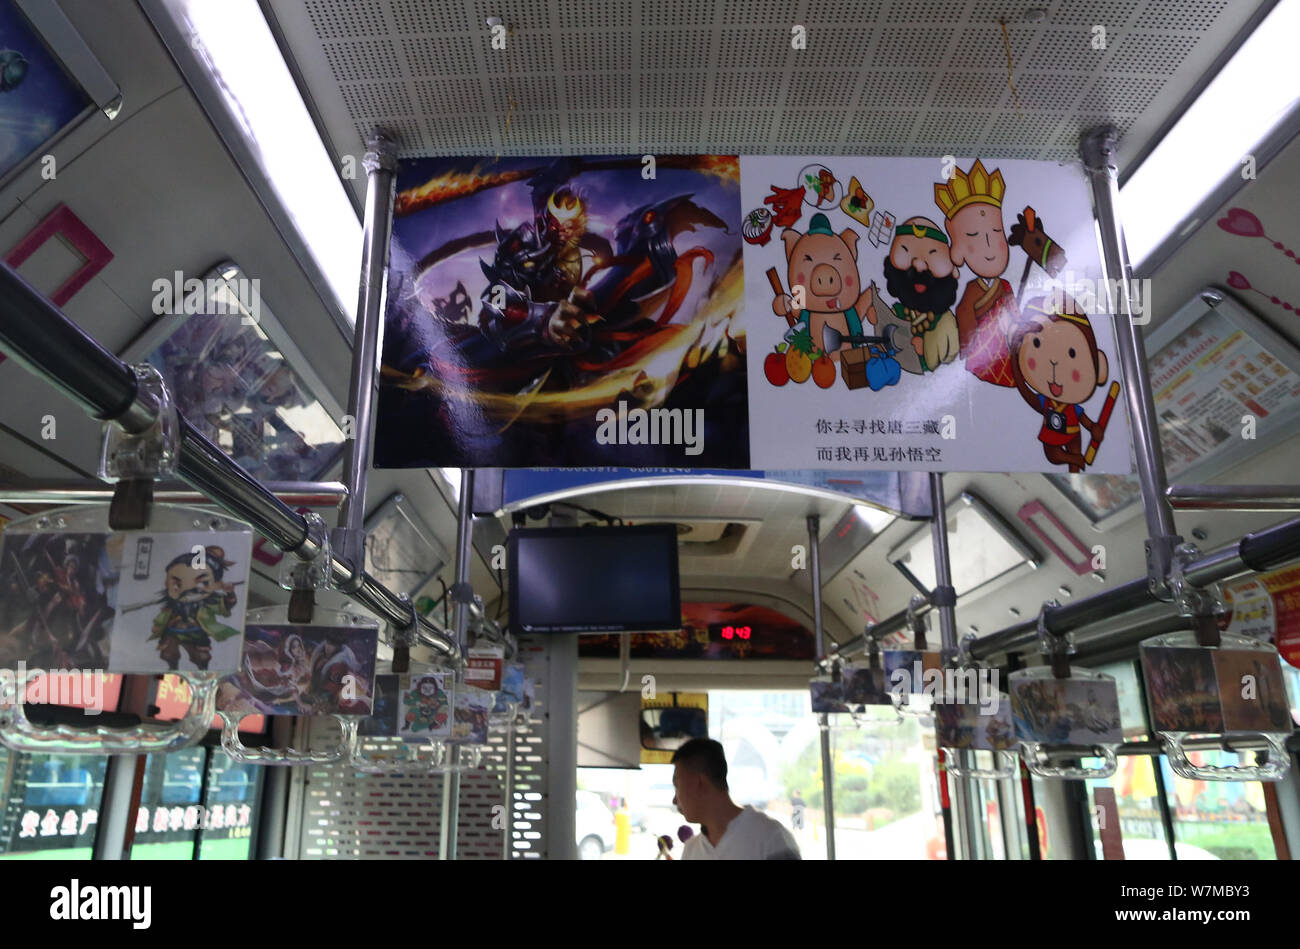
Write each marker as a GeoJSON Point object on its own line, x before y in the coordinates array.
{"type": "Point", "coordinates": [238, 751]}
{"type": "Point", "coordinates": [21, 734]}
{"type": "Point", "coordinates": [1274, 769]}
{"type": "Point", "coordinates": [911, 704]}
{"type": "Point", "coordinates": [401, 758]}
{"type": "Point", "coordinates": [463, 757]}
{"type": "Point", "coordinates": [1007, 768]}
{"type": "Point", "coordinates": [1037, 759]}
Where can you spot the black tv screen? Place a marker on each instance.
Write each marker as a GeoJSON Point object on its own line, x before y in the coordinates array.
{"type": "Point", "coordinates": [594, 579]}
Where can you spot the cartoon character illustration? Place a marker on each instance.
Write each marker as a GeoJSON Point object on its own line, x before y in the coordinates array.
{"type": "Point", "coordinates": [426, 706]}
{"type": "Point", "coordinates": [336, 680]}
{"type": "Point", "coordinates": [987, 314]}
{"type": "Point", "coordinates": [825, 265]}
{"type": "Point", "coordinates": [919, 272]}
{"type": "Point", "coordinates": [1057, 367]}
{"type": "Point", "coordinates": [192, 602]}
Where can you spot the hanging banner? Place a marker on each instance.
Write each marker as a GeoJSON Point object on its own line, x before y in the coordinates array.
{"type": "Point", "coordinates": [564, 311]}
{"type": "Point", "coordinates": [936, 315]}
{"type": "Point", "coordinates": [770, 312]}
{"type": "Point", "coordinates": [1267, 607]}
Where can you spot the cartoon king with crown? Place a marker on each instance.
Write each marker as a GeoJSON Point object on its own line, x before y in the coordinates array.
{"type": "Point", "coordinates": [987, 314]}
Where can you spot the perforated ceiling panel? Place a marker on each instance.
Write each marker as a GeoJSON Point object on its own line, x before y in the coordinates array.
{"type": "Point", "coordinates": [888, 77]}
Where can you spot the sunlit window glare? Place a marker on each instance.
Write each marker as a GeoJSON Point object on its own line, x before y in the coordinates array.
{"type": "Point", "coordinates": [232, 38]}
{"type": "Point", "coordinates": [1252, 93]}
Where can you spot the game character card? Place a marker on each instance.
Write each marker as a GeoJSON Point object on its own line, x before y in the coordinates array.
{"type": "Point", "coordinates": [470, 722]}
{"type": "Point", "coordinates": [1182, 689]}
{"type": "Point", "coordinates": [303, 670]}
{"type": "Point", "coordinates": [1066, 711]}
{"type": "Point", "coordinates": [181, 601]}
{"type": "Point", "coordinates": [425, 709]}
{"type": "Point", "coordinates": [972, 727]}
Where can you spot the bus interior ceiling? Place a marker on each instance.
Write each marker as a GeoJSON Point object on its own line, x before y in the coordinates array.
{"type": "Point", "coordinates": [159, 186]}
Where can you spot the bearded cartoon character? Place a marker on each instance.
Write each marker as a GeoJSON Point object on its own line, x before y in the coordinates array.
{"type": "Point", "coordinates": [193, 601]}
{"type": "Point", "coordinates": [919, 272]}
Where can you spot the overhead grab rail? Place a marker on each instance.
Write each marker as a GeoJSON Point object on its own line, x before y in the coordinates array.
{"type": "Point", "coordinates": [1233, 497]}
{"type": "Point", "coordinates": [297, 493]}
{"type": "Point", "coordinates": [37, 334]}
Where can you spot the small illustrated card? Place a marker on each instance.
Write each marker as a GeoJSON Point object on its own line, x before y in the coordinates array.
{"type": "Point", "coordinates": [1066, 711]}
{"type": "Point", "coordinates": [827, 696]}
{"type": "Point", "coordinates": [132, 602]}
{"type": "Point", "coordinates": [975, 727]}
{"type": "Point", "coordinates": [181, 601]}
{"type": "Point", "coordinates": [470, 722]}
{"type": "Point", "coordinates": [864, 686]}
{"type": "Point", "coordinates": [512, 687]}
{"type": "Point", "coordinates": [907, 671]}
{"type": "Point", "coordinates": [303, 670]}
{"type": "Point", "coordinates": [1182, 689]}
{"type": "Point", "coordinates": [425, 708]}
{"type": "Point", "coordinates": [382, 720]}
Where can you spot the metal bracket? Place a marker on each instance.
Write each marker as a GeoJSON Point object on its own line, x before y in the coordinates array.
{"type": "Point", "coordinates": [304, 577]}
{"type": "Point", "coordinates": [381, 153]}
{"type": "Point", "coordinates": [1057, 648]}
{"type": "Point", "coordinates": [916, 622]}
{"type": "Point", "coordinates": [964, 659]}
{"type": "Point", "coordinates": [136, 460]}
{"type": "Point", "coordinates": [1205, 605]}
{"type": "Point", "coordinates": [350, 547]}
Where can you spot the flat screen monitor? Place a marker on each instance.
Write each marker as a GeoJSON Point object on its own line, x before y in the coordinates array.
{"type": "Point", "coordinates": [594, 579]}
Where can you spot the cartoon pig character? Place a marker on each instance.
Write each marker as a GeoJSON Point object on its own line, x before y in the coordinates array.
{"type": "Point", "coordinates": [825, 264]}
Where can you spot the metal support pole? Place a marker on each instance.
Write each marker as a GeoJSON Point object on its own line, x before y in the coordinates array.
{"type": "Point", "coordinates": [828, 763]}
{"type": "Point", "coordinates": [115, 807]}
{"type": "Point", "coordinates": [828, 785]}
{"type": "Point", "coordinates": [462, 595]}
{"type": "Point", "coordinates": [381, 167]}
{"type": "Point", "coordinates": [507, 780]}
{"type": "Point", "coordinates": [944, 598]}
{"type": "Point", "coordinates": [1098, 149]}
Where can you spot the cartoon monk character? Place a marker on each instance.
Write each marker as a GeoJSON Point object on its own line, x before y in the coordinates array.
{"type": "Point", "coordinates": [987, 314]}
{"type": "Point", "coordinates": [920, 273]}
{"type": "Point", "coordinates": [1057, 367]}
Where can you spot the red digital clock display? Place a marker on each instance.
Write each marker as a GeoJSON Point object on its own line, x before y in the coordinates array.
{"type": "Point", "coordinates": [736, 632]}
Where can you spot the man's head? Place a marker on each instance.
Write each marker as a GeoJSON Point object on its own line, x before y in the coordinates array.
{"type": "Point", "coordinates": [699, 777]}
{"type": "Point", "coordinates": [919, 270]}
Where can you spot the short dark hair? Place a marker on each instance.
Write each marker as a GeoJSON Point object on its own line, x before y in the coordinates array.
{"type": "Point", "coordinates": [704, 756]}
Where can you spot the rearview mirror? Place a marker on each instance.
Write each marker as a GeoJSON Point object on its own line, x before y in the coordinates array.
{"type": "Point", "coordinates": [667, 729]}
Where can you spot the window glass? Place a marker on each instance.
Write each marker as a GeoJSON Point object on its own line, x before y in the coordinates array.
{"type": "Point", "coordinates": [1137, 799]}
{"type": "Point", "coordinates": [167, 821]}
{"type": "Point", "coordinates": [52, 804]}
{"type": "Point", "coordinates": [234, 790]}
{"type": "Point", "coordinates": [1223, 820]}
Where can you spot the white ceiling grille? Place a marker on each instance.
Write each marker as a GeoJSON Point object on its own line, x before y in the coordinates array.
{"type": "Point", "coordinates": [889, 77]}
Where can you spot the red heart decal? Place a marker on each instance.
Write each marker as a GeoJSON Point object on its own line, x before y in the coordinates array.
{"type": "Point", "coordinates": [1237, 281]}
{"type": "Point", "coordinates": [1242, 223]}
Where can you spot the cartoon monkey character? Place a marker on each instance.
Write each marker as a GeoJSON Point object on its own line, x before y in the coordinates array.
{"type": "Point", "coordinates": [1057, 367]}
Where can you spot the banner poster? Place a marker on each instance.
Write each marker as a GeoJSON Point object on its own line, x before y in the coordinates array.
{"type": "Point", "coordinates": [760, 312]}
{"type": "Point", "coordinates": [564, 311]}
{"type": "Point", "coordinates": [914, 314]}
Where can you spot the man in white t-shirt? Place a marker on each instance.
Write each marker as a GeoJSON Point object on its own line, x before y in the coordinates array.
{"type": "Point", "coordinates": [727, 832]}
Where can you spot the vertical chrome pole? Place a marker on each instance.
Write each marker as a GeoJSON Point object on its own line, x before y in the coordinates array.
{"type": "Point", "coordinates": [507, 782]}
{"type": "Point", "coordinates": [945, 601]}
{"type": "Point", "coordinates": [828, 764]}
{"type": "Point", "coordinates": [1097, 149]}
{"type": "Point", "coordinates": [462, 595]}
{"type": "Point", "coordinates": [348, 539]}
